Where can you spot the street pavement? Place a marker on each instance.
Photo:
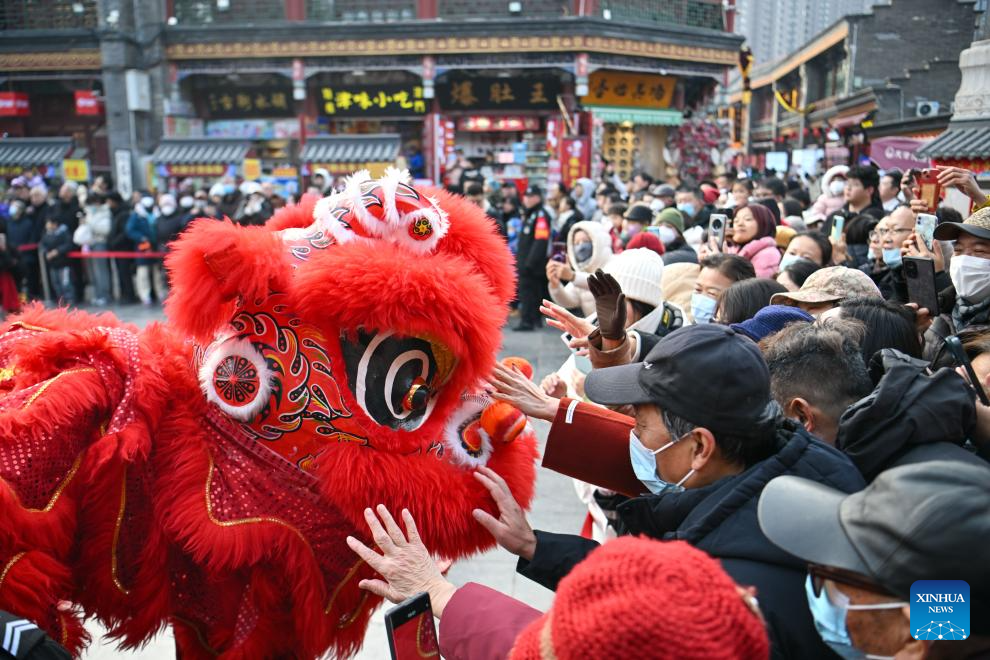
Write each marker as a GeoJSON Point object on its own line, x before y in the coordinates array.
{"type": "Point", "coordinates": [555, 508]}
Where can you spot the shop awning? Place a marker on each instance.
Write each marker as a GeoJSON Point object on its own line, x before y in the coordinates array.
{"type": "Point", "coordinates": [611, 115]}
{"type": "Point", "coordinates": [340, 149]}
{"type": "Point", "coordinates": [959, 142]}
{"type": "Point", "coordinates": [201, 152]}
{"type": "Point", "coordinates": [33, 152]}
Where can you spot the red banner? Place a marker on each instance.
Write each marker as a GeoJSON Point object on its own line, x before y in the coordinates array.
{"type": "Point", "coordinates": [88, 105]}
{"type": "Point", "coordinates": [575, 159]}
{"type": "Point", "coordinates": [14, 104]}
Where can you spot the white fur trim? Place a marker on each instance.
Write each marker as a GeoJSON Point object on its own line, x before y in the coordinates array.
{"type": "Point", "coordinates": [472, 405]}
{"type": "Point", "coordinates": [352, 199]}
{"type": "Point", "coordinates": [393, 177]}
{"type": "Point", "coordinates": [214, 355]}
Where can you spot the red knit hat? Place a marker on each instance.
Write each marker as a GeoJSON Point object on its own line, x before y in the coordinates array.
{"type": "Point", "coordinates": [638, 599]}
{"type": "Point", "coordinates": [645, 239]}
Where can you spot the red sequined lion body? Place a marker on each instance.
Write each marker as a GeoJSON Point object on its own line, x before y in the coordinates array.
{"type": "Point", "coordinates": [204, 473]}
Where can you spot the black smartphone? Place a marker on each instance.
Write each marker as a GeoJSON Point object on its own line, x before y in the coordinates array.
{"type": "Point", "coordinates": [716, 229]}
{"type": "Point", "coordinates": [920, 275]}
{"type": "Point", "coordinates": [410, 629]}
{"type": "Point", "coordinates": [955, 348]}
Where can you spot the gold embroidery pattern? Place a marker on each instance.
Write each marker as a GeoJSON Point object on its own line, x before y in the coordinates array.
{"type": "Point", "coordinates": [116, 534]}
{"type": "Point", "coordinates": [246, 521]}
{"type": "Point", "coordinates": [10, 564]}
{"type": "Point", "coordinates": [199, 635]}
{"type": "Point", "coordinates": [51, 381]}
{"type": "Point", "coordinates": [347, 578]}
{"type": "Point", "coordinates": [55, 495]}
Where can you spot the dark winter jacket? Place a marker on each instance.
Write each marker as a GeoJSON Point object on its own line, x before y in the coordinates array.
{"type": "Point", "coordinates": [61, 241]}
{"type": "Point", "coordinates": [118, 240]}
{"type": "Point", "coordinates": [68, 214]}
{"type": "Point", "coordinates": [534, 243]}
{"type": "Point", "coordinates": [721, 520]}
{"type": "Point", "coordinates": [910, 417]}
{"type": "Point", "coordinates": [27, 229]}
{"type": "Point", "coordinates": [681, 254]}
{"type": "Point", "coordinates": [168, 228]}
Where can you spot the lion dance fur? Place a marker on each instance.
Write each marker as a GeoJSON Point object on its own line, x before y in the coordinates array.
{"type": "Point", "coordinates": [204, 473]}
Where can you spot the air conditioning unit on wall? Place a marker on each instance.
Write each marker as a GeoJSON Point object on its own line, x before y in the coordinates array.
{"type": "Point", "coordinates": [927, 109]}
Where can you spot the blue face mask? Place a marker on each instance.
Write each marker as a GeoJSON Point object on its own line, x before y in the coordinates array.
{"type": "Point", "coordinates": [644, 464]}
{"type": "Point", "coordinates": [830, 621]}
{"type": "Point", "coordinates": [702, 308]}
{"type": "Point", "coordinates": [687, 208]}
{"type": "Point", "coordinates": [892, 257]}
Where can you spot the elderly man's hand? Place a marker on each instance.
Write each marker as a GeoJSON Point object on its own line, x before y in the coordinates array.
{"type": "Point", "coordinates": [511, 529]}
{"type": "Point", "coordinates": [405, 562]}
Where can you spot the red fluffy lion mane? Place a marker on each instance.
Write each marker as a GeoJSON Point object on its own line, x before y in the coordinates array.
{"type": "Point", "coordinates": [203, 473]}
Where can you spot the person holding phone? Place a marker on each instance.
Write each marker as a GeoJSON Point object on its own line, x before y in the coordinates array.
{"type": "Point", "coordinates": [589, 247]}
{"type": "Point", "coordinates": [620, 602]}
{"type": "Point", "coordinates": [752, 238]}
{"type": "Point", "coordinates": [969, 270]}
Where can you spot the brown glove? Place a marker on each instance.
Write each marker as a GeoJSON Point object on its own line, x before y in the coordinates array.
{"type": "Point", "coordinates": [610, 303]}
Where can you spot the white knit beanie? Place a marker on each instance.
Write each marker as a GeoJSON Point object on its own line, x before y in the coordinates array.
{"type": "Point", "coordinates": [639, 272]}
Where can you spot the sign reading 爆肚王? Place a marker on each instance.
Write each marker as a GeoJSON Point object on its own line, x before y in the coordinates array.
{"type": "Point", "coordinates": [480, 93]}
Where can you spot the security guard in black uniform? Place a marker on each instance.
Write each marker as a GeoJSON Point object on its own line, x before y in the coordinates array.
{"type": "Point", "coordinates": [531, 259]}
{"type": "Point", "coordinates": [22, 639]}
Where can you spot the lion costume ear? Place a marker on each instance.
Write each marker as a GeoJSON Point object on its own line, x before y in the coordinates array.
{"type": "Point", "coordinates": [213, 266]}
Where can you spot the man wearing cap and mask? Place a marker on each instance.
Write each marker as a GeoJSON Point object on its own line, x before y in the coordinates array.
{"type": "Point", "coordinates": [969, 270]}
{"type": "Point", "coordinates": [705, 440]}
{"type": "Point", "coordinates": [531, 259]}
{"type": "Point", "coordinates": [864, 551]}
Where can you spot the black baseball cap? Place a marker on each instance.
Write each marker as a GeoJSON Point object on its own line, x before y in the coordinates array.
{"type": "Point", "coordinates": [707, 374]}
{"type": "Point", "coordinates": [926, 521]}
{"type": "Point", "coordinates": [534, 190]}
{"type": "Point", "coordinates": [639, 213]}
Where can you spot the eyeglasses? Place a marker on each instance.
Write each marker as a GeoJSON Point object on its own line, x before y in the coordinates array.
{"type": "Point", "coordinates": [819, 574]}
{"type": "Point", "coordinates": [880, 233]}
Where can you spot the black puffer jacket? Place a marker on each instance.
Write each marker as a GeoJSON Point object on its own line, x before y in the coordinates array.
{"type": "Point", "coordinates": [721, 520]}
{"type": "Point", "coordinates": [910, 417]}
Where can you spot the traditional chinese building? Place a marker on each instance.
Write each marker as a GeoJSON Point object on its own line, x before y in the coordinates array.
{"type": "Point", "coordinates": [282, 87]}
{"type": "Point", "coordinates": [877, 84]}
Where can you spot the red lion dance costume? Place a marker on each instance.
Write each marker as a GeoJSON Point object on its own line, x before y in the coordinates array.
{"type": "Point", "coordinates": [204, 473]}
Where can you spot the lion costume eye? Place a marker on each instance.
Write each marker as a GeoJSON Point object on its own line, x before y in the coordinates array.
{"type": "Point", "coordinates": [396, 380]}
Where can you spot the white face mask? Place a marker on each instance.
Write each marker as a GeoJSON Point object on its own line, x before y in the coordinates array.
{"type": "Point", "coordinates": [971, 277]}
{"type": "Point", "coordinates": [836, 187]}
{"type": "Point", "coordinates": [667, 235]}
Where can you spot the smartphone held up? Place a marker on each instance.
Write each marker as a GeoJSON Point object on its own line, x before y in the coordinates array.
{"type": "Point", "coordinates": [410, 629]}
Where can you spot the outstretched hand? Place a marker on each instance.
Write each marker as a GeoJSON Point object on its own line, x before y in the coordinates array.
{"type": "Point", "coordinates": [405, 563]}
{"type": "Point", "coordinates": [511, 529]}
{"type": "Point", "coordinates": [561, 319]}
{"type": "Point", "coordinates": [610, 304]}
{"type": "Point", "coordinates": [512, 386]}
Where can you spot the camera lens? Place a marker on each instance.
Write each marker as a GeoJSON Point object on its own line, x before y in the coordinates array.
{"type": "Point", "coordinates": [911, 269]}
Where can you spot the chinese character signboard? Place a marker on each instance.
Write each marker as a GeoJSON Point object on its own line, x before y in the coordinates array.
{"type": "Point", "coordinates": [626, 89]}
{"type": "Point", "coordinates": [14, 104]}
{"type": "Point", "coordinates": [75, 169]}
{"type": "Point", "coordinates": [232, 102]}
{"type": "Point", "coordinates": [372, 101]}
{"type": "Point", "coordinates": [575, 159]}
{"type": "Point", "coordinates": [87, 104]}
{"type": "Point", "coordinates": [196, 169]}
{"type": "Point", "coordinates": [464, 93]}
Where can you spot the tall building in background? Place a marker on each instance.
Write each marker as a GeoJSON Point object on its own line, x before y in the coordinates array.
{"type": "Point", "coordinates": [774, 28]}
